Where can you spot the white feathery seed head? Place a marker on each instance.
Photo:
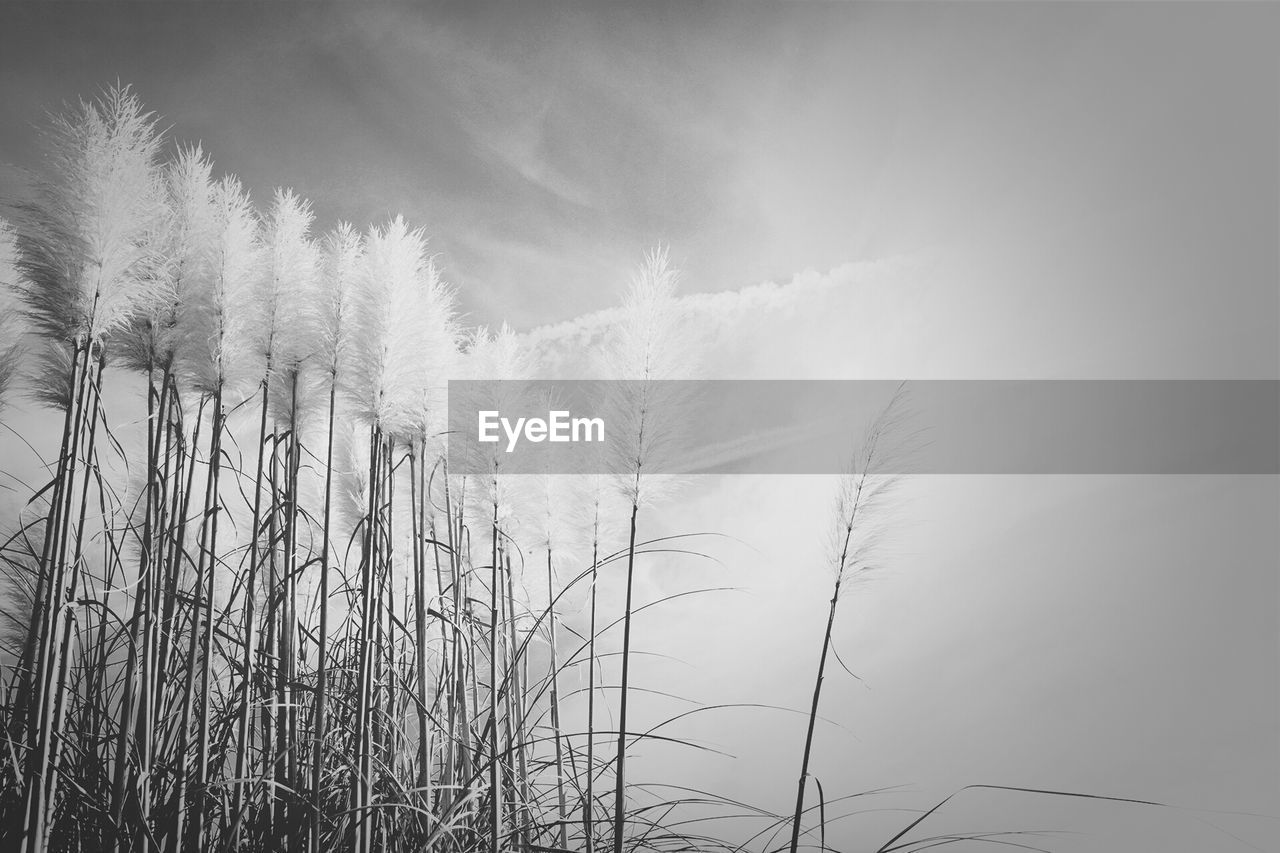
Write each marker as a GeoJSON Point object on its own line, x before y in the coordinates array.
{"type": "Point", "coordinates": [286, 289]}
{"type": "Point", "coordinates": [341, 260]}
{"type": "Point", "coordinates": [856, 532]}
{"type": "Point", "coordinates": [287, 301]}
{"type": "Point", "coordinates": [350, 475]}
{"type": "Point", "coordinates": [646, 343]}
{"type": "Point", "coordinates": [497, 355]}
{"type": "Point", "coordinates": [85, 240]}
{"type": "Point", "coordinates": [181, 262]}
{"type": "Point", "coordinates": [563, 499]}
{"type": "Point", "coordinates": [647, 350]}
{"type": "Point", "coordinates": [11, 330]}
{"type": "Point", "coordinates": [402, 314]}
{"type": "Point", "coordinates": [221, 324]}
{"type": "Point", "coordinates": [441, 341]}
{"type": "Point", "coordinates": [490, 358]}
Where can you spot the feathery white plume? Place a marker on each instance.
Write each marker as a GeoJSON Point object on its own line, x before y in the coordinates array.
{"type": "Point", "coordinates": [10, 329]}
{"type": "Point", "coordinates": [441, 341]}
{"type": "Point", "coordinates": [855, 532]}
{"type": "Point", "coordinates": [399, 317]}
{"type": "Point", "coordinates": [499, 355]}
{"type": "Point", "coordinates": [181, 261]}
{"type": "Point", "coordinates": [341, 257]}
{"type": "Point", "coordinates": [221, 323]}
{"type": "Point", "coordinates": [10, 354]}
{"type": "Point", "coordinates": [286, 301]}
{"type": "Point", "coordinates": [490, 358]}
{"type": "Point", "coordinates": [648, 350]}
{"type": "Point", "coordinates": [84, 241]}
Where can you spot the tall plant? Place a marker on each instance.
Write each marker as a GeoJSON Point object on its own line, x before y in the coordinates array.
{"type": "Point", "coordinates": [396, 318]}
{"type": "Point", "coordinates": [497, 357]}
{"type": "Point", "coordinates": [859, 500]}
{"type": "Point", "coordinates": [155, 342]}
{"type": "Point", "coordinates": [342, 258]}
{"type": "Point", "coordinates": [288, 303]}
{"type": "Point", "coordinates": [221, 365]}
{"type": "Point", "coordinates": [84, 245]}
{"type": "Point", "coordinates": [646, 351]}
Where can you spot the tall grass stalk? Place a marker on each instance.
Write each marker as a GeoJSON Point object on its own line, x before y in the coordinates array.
{"type": "Point", "coordinates": [588, 799]}
{"type": "Point", "coordinates": [342, 256]}
{"type": "Point", "coordinates": [226, 328]}
{"type": "Point", "coordinates": [861, 492]}
{"type": "Point", "coordinates": [646, 351]}
{"type": "Point", "coordinates": [561, 799]}
{"type": "Point", "coordinates": [83, 255]}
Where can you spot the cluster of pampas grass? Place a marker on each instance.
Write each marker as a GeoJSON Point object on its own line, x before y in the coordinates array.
{"type": "Point", "coordinates": [275, 619]}
{"type": "Point", "coordinates": [289, 626]}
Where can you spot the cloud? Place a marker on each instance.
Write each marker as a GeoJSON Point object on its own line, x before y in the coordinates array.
{"type": "Point", "coordinates": [847, 323]}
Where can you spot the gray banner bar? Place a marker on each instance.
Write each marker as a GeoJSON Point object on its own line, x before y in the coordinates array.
{"type": "Point", "coordinates": [817, 426]}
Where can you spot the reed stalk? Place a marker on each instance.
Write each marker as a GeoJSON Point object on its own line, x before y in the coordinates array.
{"type": "Point", "coordinates": [861, 490]}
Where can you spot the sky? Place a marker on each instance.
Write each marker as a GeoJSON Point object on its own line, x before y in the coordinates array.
{"type": "Point", "coordinates": [546, 149]}
{"type": "Point", "coordinates": [851, 190]}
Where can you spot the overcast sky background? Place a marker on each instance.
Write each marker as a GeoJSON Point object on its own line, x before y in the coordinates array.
{"type": "Point", "coordinates": [984, 191]}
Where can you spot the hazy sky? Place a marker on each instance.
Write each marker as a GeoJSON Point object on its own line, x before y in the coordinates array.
{"type": "Point", "coordinates": [545, 148]}
{"type": "Point", "coordinates": [1080, 190]}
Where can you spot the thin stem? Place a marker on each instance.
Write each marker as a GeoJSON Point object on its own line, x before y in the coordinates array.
{"type": "Point", "coordinates": [813, 716]}
{"type": "Point", "coordinates": [620, 784]}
